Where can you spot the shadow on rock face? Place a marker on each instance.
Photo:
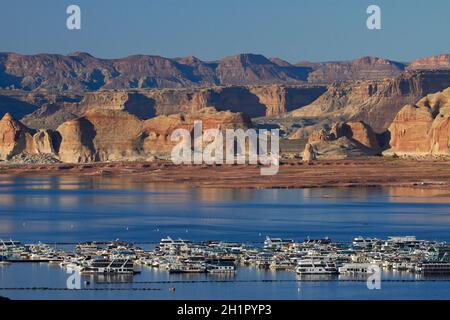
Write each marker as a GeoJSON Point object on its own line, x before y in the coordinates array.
{"type": "Point", "coordinates": [141, 106]}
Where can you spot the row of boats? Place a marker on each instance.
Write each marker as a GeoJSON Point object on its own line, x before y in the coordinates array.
{"type": "Point", "coordinates": [311, 256]}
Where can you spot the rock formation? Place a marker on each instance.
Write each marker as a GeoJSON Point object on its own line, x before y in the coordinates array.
{"type": "Point", "coordinates": [439, 62]}
{"type": "Point", "coordinates": [342, 148]}
{"type": "Point", "coordinates": [15, 138]}
{"type": "Point", "coordinates": [278, 100]}
{"type": "Point", "coordinates": [107, 135]}
{"type": "Point", "coordinates": [320, 135]}
{"type": "Point", "coordinates": [158, 130]}
{"type": "Point", "coordinates": [50, 116]}
{"type": "Point", "coordinates": [255, 69]}
{"type": "Point", "coordinates": [345, 140]}
{"type": "Point", "coordinates": [145, 104]}
{"type": "Point", "coordinates": [369, 89]}
{"type": "Point", "coordinates": [374, 102]}
{"type": "Point", "coordinates": [100, 135]}
{"type": "Point", "coordinates": [80, 71]}
{"type": "Point", "coordinates": [308, 154]}
{"type": "Point", "coordinates": [365, 68]}
{"type": "Point", "coordinates": [358, 131]}
{"type": "Point", "coordinates": [73, 106]}
{"type": "Point", "coordinates": [43, 142]}
{"type": "Point", "coordinates": [423, 128]}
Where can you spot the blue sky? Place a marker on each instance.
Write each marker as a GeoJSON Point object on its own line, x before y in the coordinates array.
{"type": "Point", "coordinates": [294, 30]}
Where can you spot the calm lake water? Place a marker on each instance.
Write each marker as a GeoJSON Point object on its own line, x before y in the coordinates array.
{"type": "Point", "coordinates": [71, 209]}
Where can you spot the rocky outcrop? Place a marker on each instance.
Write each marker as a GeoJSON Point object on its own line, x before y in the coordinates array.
{"type": "Point", "coordinates": [255, 69]}
{"type": "Point", "coordinates": [409, 131]}
{"type": "Point", "coordinates": [50, 116]}
{"type": "Point", "coordinates": [43, 142]}
{"type": "Point", "coordinates": [15, 138]}
{"type": "Point", "coordinates": [438, 62]}
{"type": "Point", "coordinates": [308, 154]}
{"type": "Point", "coordinates": [76, 141]}
{"type": "Point", "coordinates": [320, 135]}
{"type": "Point", "coordinates": [358, 131]}
{"type": "Point", "coordinates": [82, 72]}
{"type": "Point", "coordinates": [374, 102]}
{"type": "Point", "coordinates": [252, 101]}
{"type": "Point", "coordinates": [366, 68]}
{"type": "Point", "coordinates": [108, 135]}
{"type": "Point", "coordinates": [345, 140]}
{"type": "Point", "coordinates": [100, 135]}
{"type": "Point", "coordinates": [113, 135]}
{"type": "Point", "coordinates": [278, 100]}
{"type": "Point", "coordinates": [46, 108]}
{"type": "Point", "coordinates": [342, 148]}
{"type": "Point", "coordinates": [157, 131]}
{"type": "Point", "coordinates": [423, 128]}
{"type": "Point", "coordinates": [145, 104]}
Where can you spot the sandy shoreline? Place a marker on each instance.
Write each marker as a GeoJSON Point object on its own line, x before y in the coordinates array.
{"type": "Point", "coordinates": [292, 174]}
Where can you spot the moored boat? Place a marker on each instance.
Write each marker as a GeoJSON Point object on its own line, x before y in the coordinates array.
{"type": "Point", "coordinates": [103, 265]}
{"type": "Point", "coordinates": [311, 266]}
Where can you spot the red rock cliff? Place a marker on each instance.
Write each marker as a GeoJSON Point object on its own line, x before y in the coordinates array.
{"type": "Point", "coordinates": [423, 128]}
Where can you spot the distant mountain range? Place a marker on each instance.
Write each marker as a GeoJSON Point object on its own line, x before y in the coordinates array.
{"type": "Point", "coordinates": [82, 72]}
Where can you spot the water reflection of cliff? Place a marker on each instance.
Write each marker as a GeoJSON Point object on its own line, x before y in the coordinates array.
{"type": "Point", "coordinates": [62, 208]}
{"type": "Point", "coordinates": [69, 190]}
{"type": "Point", "coordinates": [414, 194]}
{"type": "Point", "coordinates": [65, 190]}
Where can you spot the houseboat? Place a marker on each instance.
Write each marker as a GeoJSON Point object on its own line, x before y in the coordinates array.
{"type": "Point", "coordinates": [105, 265]}
{"type": "Point", "coordinates": [312, 266]}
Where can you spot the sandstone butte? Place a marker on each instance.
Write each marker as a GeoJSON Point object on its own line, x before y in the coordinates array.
{"type": "Point", "coordinates": [422, 128]}
{"type": "Point", "coordinates": [359, 69]}
{"type": "Point", "coordinates": [441, 61]}
{"type": "Point", "coordinates": [358, 131]}
{"type": "Point", "coordinates": [15, 138]}
{"type": "Point", "coordinates": [108, 135]}
{"type": "Point", "coordinates": [344, 140]}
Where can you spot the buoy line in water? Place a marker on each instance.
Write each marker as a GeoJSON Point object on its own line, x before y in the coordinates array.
{"type": "Point", "coordinates": [205, 281]}
{"type": "Point", "coordinates": [81, 289]}
{"type": "Point", "coordinates": [272, 280]}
